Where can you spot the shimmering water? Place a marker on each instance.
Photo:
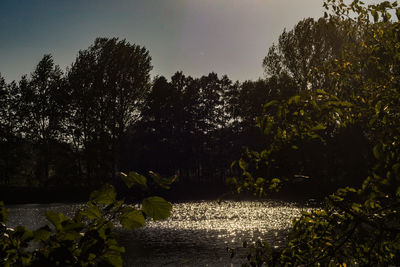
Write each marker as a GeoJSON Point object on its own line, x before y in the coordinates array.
{"type": "Point", "coordinates": [197, 234]}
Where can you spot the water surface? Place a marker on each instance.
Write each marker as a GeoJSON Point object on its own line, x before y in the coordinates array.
{"type": "Point", "coordinates": [197, 233]}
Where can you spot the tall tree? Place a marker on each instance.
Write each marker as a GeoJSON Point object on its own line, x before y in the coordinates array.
{"type": "Point", "coordinates": [302, 50]}
{"type": "Point", "coordinates": [8, 130]}
{"type": "Point", "coordinates": [41, 111]}
{"type": "Point", "coordinates": [108, 83]}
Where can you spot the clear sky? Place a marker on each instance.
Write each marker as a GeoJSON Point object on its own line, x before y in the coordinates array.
{"type": "Point", "coordinates": [196, 36]}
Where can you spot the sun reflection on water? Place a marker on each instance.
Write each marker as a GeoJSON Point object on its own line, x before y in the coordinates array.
{"type": "Point", "coordinates": [202, 230]}
{"type": "Point", "coordinates": [197, 233]}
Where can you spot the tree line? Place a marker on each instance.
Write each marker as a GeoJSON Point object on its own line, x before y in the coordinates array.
{"type": "Point", "coordinates": [104, 114]}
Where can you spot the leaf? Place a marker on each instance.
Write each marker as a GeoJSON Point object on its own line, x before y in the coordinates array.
{"type": "Point", "coordinates": [132, 219]}
{"type": "Point", "coordinates": [162, 181]}
{"type": "Point", "coordinates": [295, 99]}
{"type": "Point", "coordinates": [243, 164]}
{"type": "Point", "coordinates": [55, 218]}
{"type": "Point", "coordinates": [398, 13]}
{"type": "Point", "coordinates": [156, 208]}
{"type": "Point", "coordinates": [133, 178]}
{"type": "Point", "coordinates": [23, 233]}
{"type": "Point", "coordinates": [268, 127]}
{"type": "Point", "coordinates": [270, 103]}
{"type": "Point", "coordinates": [231, 180]}
{"type": "Point", "coordinates": [275, 181]}
{"type": "Point", "coordinates": [114, 259]}
{"type": "Point", "coordinates": [396, 168]}
{"type": "Point", "coordinates": [233, 164]}
{"type": "Point", "coordinates": [378, 107]}
{"type": "Point", "coordinates": [91, 212]}
{"type": "Point", "coordinates": [106, 195]}
{"type": "Point", "coordinates": [356, 207]}
{"type": "Point", "coordinates": [42, 234]}
{"type": "Point", "coordinates": [377, 151]}
{"type": "Point", "coordinates": [260, 180]}
{"type": "Point", "coordinates": [318, 127]}
{"type": "Point", "coordinates": [117, 248]}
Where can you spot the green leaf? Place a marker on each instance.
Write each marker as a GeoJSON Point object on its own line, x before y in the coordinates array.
{"type": "Point", "coordinates": [56, 218]}
{"type": "Point", "coordinates": [398, 13]}
{"type": "Point", "coordinates": [133, 178]}
{"type": "Point", "coordinates": [275, 181]}
{"type": "Point", "coordinates": [268, 127]}
{"type": "Point", "coordinates": [91, 212]}
{"type": "Point", "coordinates": [295, 99]}
{"type": "Point", "coordinates": [114, 259]}
{"type": "Point", "coordinates": [243, 164]}
{"type": "Point", "coordinates": [106, 195]}
{"type": "Point", "coordinates": [233, 164]}
{"type": "Point", "coordinates": [42, 234]}
{"type": "Point", "coordinates": [356, 207]}
{"type": "Point", "coordinates": [378, 107]}
{"type": "Point", "coordinates": [231, 180]}
{"type": "Point", "coordinates": [318, 127]}
{"type": "Point", "coordinates": [132, 219]}
{"type": "Point", "coordinates": [377, 151]}
{"type": "Point", "coordinates": [23, 233]}
{"type": "Point", "coordinates": [156, 208]}
{"type": "Point", "coordinates": [162, 181]}
{"type": "Point", "coordinates": [117, 248]}
{"type": "Point", "coordinates": [396, 168]}
{"type": "Point", "coordinates": [270, 103]}
{"type": "Point", "coordinates": [260, 180]}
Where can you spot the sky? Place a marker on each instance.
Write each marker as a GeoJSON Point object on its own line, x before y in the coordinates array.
{"type": "Point", "coordinates": [194, 36]}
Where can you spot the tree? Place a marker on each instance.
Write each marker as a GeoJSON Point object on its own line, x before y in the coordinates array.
{"type": "Point", "coordinates": [304, 49]}
{"type": "Point", "coordinates": [355, 226]}
{"type": "Point", "coordinates": [184, 128]}
{"type": "Point", "coordinates": [41, 111]}
{"type": "Point", "coordinates": [108, 83]}
{"type": "Point", "coordinates": [8, 131]}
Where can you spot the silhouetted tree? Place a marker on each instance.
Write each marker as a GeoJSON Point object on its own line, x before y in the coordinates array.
{"type": "Point", "coordinates": [41, 112]}
{"type": "Point", "coordinates": [8, 131]}
{"type": "Point", "coordinates": [108, 83]}
{"type": "Point", "coordinates": [303, 50]}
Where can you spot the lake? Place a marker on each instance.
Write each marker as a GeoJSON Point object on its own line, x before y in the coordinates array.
{"type": "Point", "coordinates": [197, 234]}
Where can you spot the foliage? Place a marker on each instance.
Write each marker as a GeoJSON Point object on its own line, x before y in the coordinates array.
{"type": "Point", "coordinates": [183, 127]}
{"type": "Point", "coordinates": [356, 227]}
{"type": "Point", "coordinates": [311, 116]}
{"type": "Point", "coordinates": [108, 83]}
{"type": "Point", "coordinates": [88, 238]}
{"type": "Point", "coordinates": [41, 113]}
{"type": "Point", "coordinates": [309, 45]}
{"type": "Point", "coordinates": [75, 128]}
